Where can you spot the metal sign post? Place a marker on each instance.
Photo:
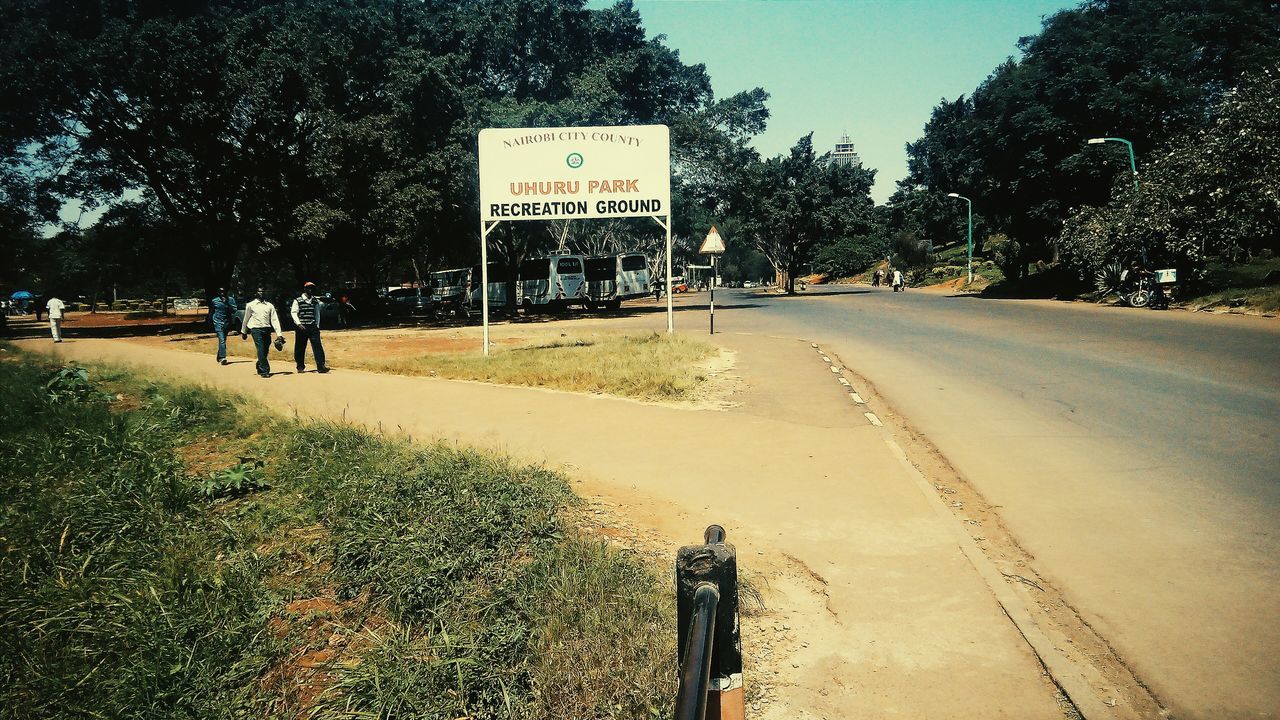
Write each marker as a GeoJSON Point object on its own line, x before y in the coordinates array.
{"type": "Point", "coordinates": [485, 227]}
{"type": "Point", "coordinates": [670, 313]}
{"type": "Point", "coordinates": [573, 173]}
{"type": "Point", "coordinates": [713, 245]}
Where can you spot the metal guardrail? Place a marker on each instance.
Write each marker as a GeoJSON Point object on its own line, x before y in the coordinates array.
{"type": "Point", "coordinates": [707, 620]}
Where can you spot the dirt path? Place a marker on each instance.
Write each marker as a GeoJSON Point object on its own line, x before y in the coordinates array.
{"type": "Point", "coordinates": [874, 610]}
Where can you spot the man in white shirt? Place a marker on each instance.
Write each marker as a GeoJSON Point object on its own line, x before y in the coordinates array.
{"type": "Point", "coordinates": [261, 321]}
{"type": "Point", "coordinates": [56, 307]}
{"type": "Point", "coordinates": [306, 318]}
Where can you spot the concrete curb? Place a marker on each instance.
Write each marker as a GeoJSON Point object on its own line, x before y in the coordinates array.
{"type": "Point", "coordinates": [1064, 672]}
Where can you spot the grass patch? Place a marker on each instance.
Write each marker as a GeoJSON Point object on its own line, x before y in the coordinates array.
{"type": "Point", "coordinates": [349, 576]}
{"type": "Point", "coordinates": [1239, 287]}
{"type": "Point", "coordinates": [1263, 300]}
{"type": "Point", "coordinates": [652, 366]}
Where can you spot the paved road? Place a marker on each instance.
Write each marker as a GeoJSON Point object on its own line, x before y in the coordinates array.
{"type": "Point", "coordinates": [1134, 453]}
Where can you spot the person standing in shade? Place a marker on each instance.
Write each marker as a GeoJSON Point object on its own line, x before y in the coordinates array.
{"type": "Point", "coordinates": [222, 311]}
{"type": "Point", "coordinates": [55, 307]}
{"type": "Point", "coordinates": [306, 317]}
{"type": "Point", "coordinates": [899, 284]}
{"type": "Point", "coordinates": [261, 320]}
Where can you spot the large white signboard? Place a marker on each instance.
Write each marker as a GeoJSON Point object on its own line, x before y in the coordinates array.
{"type": "Point", "coordinates": [574, 173]}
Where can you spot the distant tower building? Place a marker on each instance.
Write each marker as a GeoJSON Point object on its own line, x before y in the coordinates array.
{"type": "Point", "coordinates": [843, 154]}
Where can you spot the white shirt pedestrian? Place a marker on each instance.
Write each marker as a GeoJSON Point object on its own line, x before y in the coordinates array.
{"type": "Point", "coordinates": [55, 308]}
{"type": "Point", "coordinates": [260, 314]}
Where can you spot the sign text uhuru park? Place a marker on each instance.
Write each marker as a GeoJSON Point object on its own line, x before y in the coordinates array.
{"type": "Point", "coordinates": [581, 173]}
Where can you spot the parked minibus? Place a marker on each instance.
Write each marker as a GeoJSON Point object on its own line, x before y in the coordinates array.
{"type": "Point", "coordinates": [497, 288]}
{"type": "Point", "coordinates": [553, 282]}
{"type": "Point", "coordinates": [449, 291]}
{"type": "Point", "coordinates": [614, 278]}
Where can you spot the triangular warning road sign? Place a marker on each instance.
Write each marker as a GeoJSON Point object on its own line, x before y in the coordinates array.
{"type": "Point", "coordinates": [714, 244]}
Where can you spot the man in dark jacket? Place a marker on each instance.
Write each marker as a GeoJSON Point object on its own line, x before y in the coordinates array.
{"type": "Point", "coordinates": [306, 316]}
{"type": "Point", "coordinates": [222, 312]}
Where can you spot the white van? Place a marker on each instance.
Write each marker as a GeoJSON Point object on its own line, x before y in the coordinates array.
{"type": "Point", "coordinates": [554, 281]}
{"type": "Point", "coordinates": [614, 278]}
{"type": "Point", "coordinates": [497, 287]}
{"type": "Point", "coordinates": [449, 290]}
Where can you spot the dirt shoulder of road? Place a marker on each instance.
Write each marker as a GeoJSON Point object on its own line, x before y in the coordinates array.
{"type": "Point", "coordinates": [872, 610]}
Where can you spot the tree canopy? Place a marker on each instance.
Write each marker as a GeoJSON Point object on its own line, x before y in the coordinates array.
{"type": "Point", "coordinates": [1149, 71]}
{"type": "Point", "coordinates": [791, 204]}
{"type": "Point", "coordinates": [1213, 192]}
{"type": "Point", "coordinates": [293, 139]}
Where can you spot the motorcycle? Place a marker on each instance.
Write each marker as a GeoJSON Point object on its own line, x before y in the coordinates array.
{"type": "Point", "coordinates": [1136, 288]}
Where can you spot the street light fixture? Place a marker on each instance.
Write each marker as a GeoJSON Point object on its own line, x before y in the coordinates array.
{"type": "Point", "coordinates": [970, 202]}
{"type": "Point", "coordinates": [1133, 165]}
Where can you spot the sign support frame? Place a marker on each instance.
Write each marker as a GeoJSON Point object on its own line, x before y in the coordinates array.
{"type": "Point", "coordinates": [621, 167]}
{"type": "Point", "coordinates": [670, 313]}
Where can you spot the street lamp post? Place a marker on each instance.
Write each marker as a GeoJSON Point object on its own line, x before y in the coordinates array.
{"type": "Point", "coordinates": [1133, 163]}
{"type": "Point", "coordinates": [1133, 167]}
{"type": "Point", "coordinates": [970, 202]}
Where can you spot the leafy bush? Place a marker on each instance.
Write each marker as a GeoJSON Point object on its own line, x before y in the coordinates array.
{"type": "Point", "coordinates": [71, 384]}
{"type": "Point", "coordinates": [1108, 280]}
{"type": "Point", "coordinates": [849, 255]}
{"type": "Point", "coordinates": [1212, 193]}
{"type": "Point", "coordinates": [243, 477]}
{"type": "Point", "coordinates": [910, 251]}
{"type": "Point", "coordinates": [1006, 253]}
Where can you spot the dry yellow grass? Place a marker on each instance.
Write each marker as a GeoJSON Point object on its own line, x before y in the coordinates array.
{"type": "Point", "coordinates": [641, 365]}
{"type": "Point", "coordinates": [648, 366]}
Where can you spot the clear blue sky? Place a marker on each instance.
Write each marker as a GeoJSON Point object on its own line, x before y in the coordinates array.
{"type": "Point", "coordinates": [873, 68]}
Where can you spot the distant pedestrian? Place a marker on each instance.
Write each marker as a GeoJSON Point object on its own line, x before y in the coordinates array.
{"type": "Point", "coordinates": [345, 308]}
{"type": "Point", "coordinates": [222, 311]}
{"type": "Point", "coordinates": [899, 284]}
{"type": "Point", "coordinates": [261, 320]}
{"type": "Point", "coordinates": [56, 307]}
{"type": "Point", "coordinates": [37, 307]}
{"type": "Point", "coordinates": [875, 277]}
{"type": "Point", "coordinates": [306, 318]}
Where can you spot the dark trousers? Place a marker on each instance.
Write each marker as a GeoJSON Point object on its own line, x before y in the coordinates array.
{"type": "Point", "coordinates": [304, 334]}
{"type": "Point", "coordinates": [221, 331]}
{"type": "Point", "coordinates": [262, 341]}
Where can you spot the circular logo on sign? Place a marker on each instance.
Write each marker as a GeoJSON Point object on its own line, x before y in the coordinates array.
{"type": "Point", "coordinates": [574, 160]}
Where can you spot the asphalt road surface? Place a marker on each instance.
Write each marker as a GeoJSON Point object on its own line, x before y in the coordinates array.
{"type": "Point", "coordinates": [1133, 453]}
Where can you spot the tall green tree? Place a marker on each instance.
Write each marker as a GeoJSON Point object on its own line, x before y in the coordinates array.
{"type": "Point", "coordinates": [792, 203]}
{"type": "Point", "coordinates": [1146, 70]}
{"type": "Point", "coordinates": [332, 136]}
{"type": "Point", "coordinates": [1213, 193]}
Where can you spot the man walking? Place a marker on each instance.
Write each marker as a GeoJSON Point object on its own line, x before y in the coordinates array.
{"type": "Point", "coordinates": [55, 307]}
{"type": "Point", "coordinates": [222, 311]}
{"type": "Point", "coordinates": [306, 317]}
{"type": "Point", "coordinates": [261, 320]}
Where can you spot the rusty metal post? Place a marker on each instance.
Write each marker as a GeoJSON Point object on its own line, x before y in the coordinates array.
{"type": "Point", "coordinates": [701, 569]}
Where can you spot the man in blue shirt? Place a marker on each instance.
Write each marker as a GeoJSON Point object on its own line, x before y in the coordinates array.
{"type": "Point", "coordinates": [222, 311]}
